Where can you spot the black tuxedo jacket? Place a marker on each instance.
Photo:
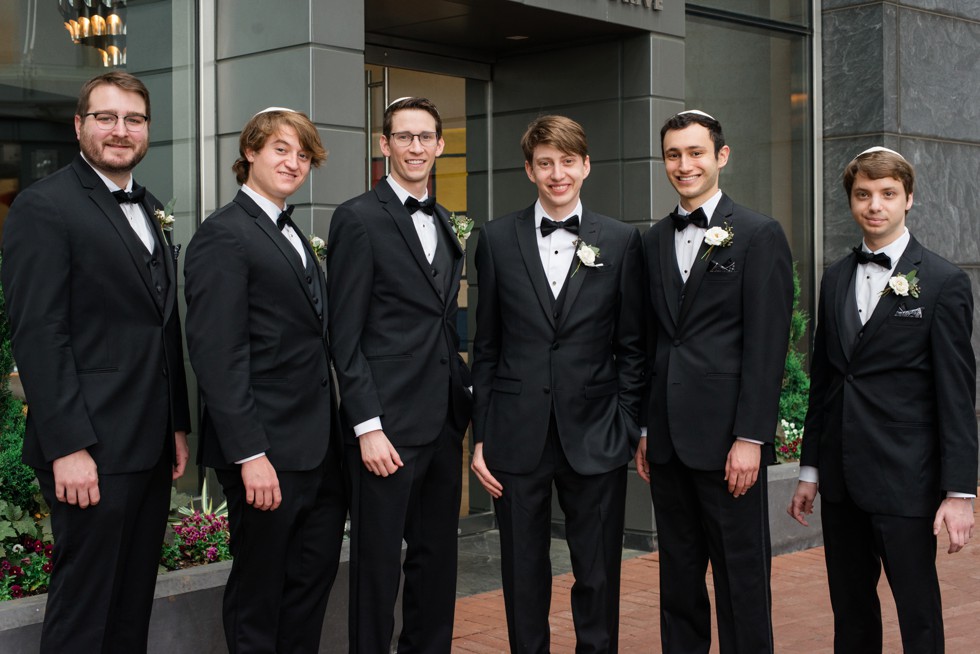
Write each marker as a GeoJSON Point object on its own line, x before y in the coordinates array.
{"type": "Point", "coordinates": [891, 421]}
{"type": "Point", "coordinates": [393, 331]}
{"type": "Point", "coordinates": [585, 364]}
{"type": "Point", "coordinates": [256, 342]}
{"type": "Point", "coordinates": [102, 365]}
{"type": "Point", "coordinates": [716, 363]}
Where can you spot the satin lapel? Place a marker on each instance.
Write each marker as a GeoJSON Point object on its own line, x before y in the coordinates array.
{"type": "Point", "coordinates": [442, 218]}
{"type": "Point", "coordinates": [403, 222]}
{"type": "Point", "coordinates": [589, 234]}
{"type": "Point", "coordinates": [887, 305]}
{"type": "Point", "coordinates": [668, 267]}
{"type": "Point", "coordinates": [527, 241]}
{"type": "Point", "coordinates": [840, 305]}
{"type": "Point", "coordinates": [167, 254]}
{"type": "Point", "coordinates": [282, 244]}
{"type": "Point", "coordinates": [117, 219]}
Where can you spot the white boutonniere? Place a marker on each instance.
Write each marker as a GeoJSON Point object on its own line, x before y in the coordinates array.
{"type": "Point", "coordinates": [165, 216]}
{"type": "Point", "coordinates": [718, 237]}
{"type": "Point", "coordinates": [319, 247]}
{"type": "Point", "coordinates": [587, 255]}
{"type": "Point", "coordinates": [462, 227]}
{"type": "Point", "coordinates": [903, 285]}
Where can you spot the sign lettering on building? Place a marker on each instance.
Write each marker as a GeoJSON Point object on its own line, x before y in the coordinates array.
{"type": "Point", "coordinates": [649, 4]}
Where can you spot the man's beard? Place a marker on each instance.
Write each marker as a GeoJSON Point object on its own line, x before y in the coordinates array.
{"type": "Point", "coordinates": [93, 153]}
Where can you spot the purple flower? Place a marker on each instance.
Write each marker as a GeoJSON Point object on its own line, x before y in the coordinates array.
{"type": "Point", "coordinates": [16, 591]}
{"type": "Point", "coordinates": [211, 553]}
{"type": "Point", "coordinates": [47, 567]}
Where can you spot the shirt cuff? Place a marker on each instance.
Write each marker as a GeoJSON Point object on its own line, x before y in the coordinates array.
{"type": "Point", "coordinates": [643, 432]}
{"type": "Point", "coordinates": [373, 424]}
{"type": "Point", "coordinates": [810, 474]}
{"type": "Point", "coordinates": [959, 496]}
{"type": "Point", "coordinates": [251, 458]}
{"type": "Point", "coordinates": [748, 440]}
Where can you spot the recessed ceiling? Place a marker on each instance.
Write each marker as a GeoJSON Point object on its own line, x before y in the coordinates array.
{"type": "Point", "coordinates": [478, 29]}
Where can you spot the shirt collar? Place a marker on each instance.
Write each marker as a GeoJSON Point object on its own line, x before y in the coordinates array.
{"type": "Point", "coordinates": [539, 213]}
{"type": "Point", "coordinates": [108, 182]}
{"type": "Point", "coordinates": [709, 206]}
{"type": "Point", "coordinates": [895, 249]}
{"type": "Point", "coordinates": [267, 206]}
{"type": "Point", "coordinates": [402, 193]}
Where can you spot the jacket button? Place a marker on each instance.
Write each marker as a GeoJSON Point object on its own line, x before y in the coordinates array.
{"type": "Point", "coordinates": [324, 382]}
{"type": "Point", "coordinates": [849, 378]}
{"type": "Point", "coordinates": [554, 346]}
{"type": "Point", "coordinates": [444, 360]}
{"type": "Point", "coordinates": [546, 389]}
{"type": "Point", "coordinates": [677, 342]}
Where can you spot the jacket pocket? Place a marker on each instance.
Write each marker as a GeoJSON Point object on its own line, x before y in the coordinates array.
{"type": "Point", "coordinates": [602, 389]}
{"type": "Point", "coordinates": [504, 385]}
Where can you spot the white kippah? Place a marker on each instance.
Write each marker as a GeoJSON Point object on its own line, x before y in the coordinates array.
{"type": "Point", "coordinates": [407, 97]}
{"type": "Point", "coordinates": [696, 111]}
{"type": "Point", "coordinates": [879, 148]}
{"type": "Point", "coordinates": [268, 109]}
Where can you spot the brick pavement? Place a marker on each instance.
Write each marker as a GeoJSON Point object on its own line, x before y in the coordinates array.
{"type": "Point", "coordinates": [802, 618]}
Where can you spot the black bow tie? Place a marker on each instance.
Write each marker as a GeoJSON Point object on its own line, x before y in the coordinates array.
{"type": "Point", "coordinates": [696, 218]}
{"type": "Point", "coordinates": [137, 194]}
{"type": "Point", "coordinates": [880, 258]}
{"type": "Point", "coordinates": [548, 225]}
{"type": "Point", "coordinates": [427, 206]}
{"type": "Point", "coordinates": [285, 218]}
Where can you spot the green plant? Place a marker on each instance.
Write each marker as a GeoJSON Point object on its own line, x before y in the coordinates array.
{"type": "Point", "coordinates": [25, 569]}
{"type": "Point", "coordinates": [794, 396]}
{"type": "Point", "coordinates": [789, 442]}
{"type": "Point", "coordinates": [201, 536]}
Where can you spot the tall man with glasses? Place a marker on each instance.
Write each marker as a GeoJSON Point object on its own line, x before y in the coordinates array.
{"type": "Point", "coordinates": [394, 273]}
{"type": "Point", "coordinates": [91, 286]}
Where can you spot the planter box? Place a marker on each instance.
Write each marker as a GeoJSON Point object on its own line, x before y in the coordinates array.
{"type": "Point", "coordinates": [186, 613]}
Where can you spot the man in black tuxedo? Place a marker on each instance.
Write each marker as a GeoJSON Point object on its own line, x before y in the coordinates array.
{"type": "Point", "coordinates": [720, 295]}
{"type": "Point", "coordinates": [394, 274]}
{"type": "Point", "coordinates": [557, 371]}
{"type": "Point", "coordinates": [257, 338]}
{"type": "Point", "coordinates": [91, 289]}
{"type": "Point", "coordinates": [891, 432]}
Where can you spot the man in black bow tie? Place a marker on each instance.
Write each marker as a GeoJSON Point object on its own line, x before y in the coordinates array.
{"type": "Point", "coordinates": [720, 292]}
{"type": "Point", "coordinates": [257, 337]}
{"type": "Point", "coordinates": [557, 369]}
{"type": "Point", "coordinates": [891, 432]}
{"type": "Point", "coordinates": [91, 290]}
{"type": "Point", "coordinates": [394, 272]}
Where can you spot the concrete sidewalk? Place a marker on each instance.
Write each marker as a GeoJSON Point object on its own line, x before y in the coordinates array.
{"type": "Point", "coordinates": [802, 618]}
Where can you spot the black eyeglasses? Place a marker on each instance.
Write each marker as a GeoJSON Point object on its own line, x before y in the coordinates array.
{"type": "Point", "coordinates": [403, 139]}
{"type": "Point", "coordinates": [107, 121]}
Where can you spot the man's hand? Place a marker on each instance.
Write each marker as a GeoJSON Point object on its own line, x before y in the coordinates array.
{"type": "Point", "coordinates": [742, 467]}
{"type": "Point", "coordinates": [957, 513]}
{"type": "Point", "coordinates": [642, 465]}
{"type": "Point", "coordinates": [261, 484]}
{"type": "Point", "coordinates": [76, 479]}
{"type": "Point", "coordinates": [802, 503]}
{"type": "Point", "coordinates": [378, 454]}
{"type": "Point", "coordinates": [479, 468]}
{"type": "Point", "coordinates": [181, 454]}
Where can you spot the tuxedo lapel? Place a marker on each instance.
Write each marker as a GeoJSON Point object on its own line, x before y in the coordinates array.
{"type": "Point", "coordinates": [887, 305]}
{"type": "Point", "coordinates": [166, 252]}
{"type": "Point", "coordinates": [668, 268]}
{"type": "Point", "coordinates": [842, 293]}
{"type": "Point", "coordinates": [722, 214]}
{"type": "Point", "coordinates": [589, 234]}
{"type": "Point", "coordinates": [282, 243]}
{"type": "Point", "coordinates": [527, 241]}
{"type": "Point", "coordinates": [406, 227]}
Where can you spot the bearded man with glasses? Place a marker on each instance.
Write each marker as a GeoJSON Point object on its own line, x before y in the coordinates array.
{"type": "Point", "coordinates": [91, 288]}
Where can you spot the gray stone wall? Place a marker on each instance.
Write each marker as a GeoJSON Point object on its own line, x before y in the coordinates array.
{"type": "Point", "coordinates": [906, 75]}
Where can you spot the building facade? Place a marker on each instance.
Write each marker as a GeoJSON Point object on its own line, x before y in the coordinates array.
{"type": "Point", "coordinates": [800, 87]}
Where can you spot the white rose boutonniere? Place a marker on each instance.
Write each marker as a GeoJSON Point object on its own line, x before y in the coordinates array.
{"type": "Point", "coordinates": [587, 255]}
{"type": "Point", "coordinates": [462, 227]}
{"type": "Point", "coordinates": [319, 247]}
{"type": "Point", "coordinates": [718, 237]}
{"type": "Point", "coordinates": [165, 216]}
{"type": "Point", "coordinates": [903, 285]}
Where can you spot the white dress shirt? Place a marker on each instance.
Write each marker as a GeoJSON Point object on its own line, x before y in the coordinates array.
{"type": "Point", "coordinates": [557, 249]}
{"type": "Point", "coordinates": [270, 209]}
{"type": "Point", "coordinates": [133, 211]}
{"type": "Point", "coordinates": [688, 241]}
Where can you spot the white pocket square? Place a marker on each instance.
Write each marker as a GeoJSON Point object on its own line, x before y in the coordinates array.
{"type": "Point", "coordinates": [909, 313]}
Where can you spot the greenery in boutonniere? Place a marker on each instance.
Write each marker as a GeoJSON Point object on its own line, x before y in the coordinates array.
{"type": "Point", "coordinates": [165, 216]}
{"type": "Point", "coordinates": [462, 227]}
{"type": "Point", "coordinates": [587, 255]}
{"type": "Point", "coordinates": [718, 236]}
{"type": "Point", "coordinates": [903, 285]}
{"type": "Point", "coordinates": [319, 247]}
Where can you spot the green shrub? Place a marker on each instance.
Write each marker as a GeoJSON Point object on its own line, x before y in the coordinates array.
{"type": "Point", "coordinates": [795, 393]}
